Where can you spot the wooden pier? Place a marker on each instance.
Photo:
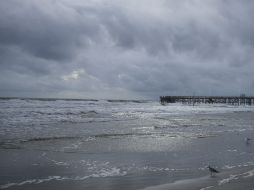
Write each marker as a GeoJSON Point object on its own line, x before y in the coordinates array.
{"type": "Point", "coordinates": [233, 100]}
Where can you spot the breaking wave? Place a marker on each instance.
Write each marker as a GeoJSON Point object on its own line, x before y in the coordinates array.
{"type": "Point", "coordinates": [234, 177]}
{"type": "Point", "coordinates": [128, 101]}
{"type": "Point", "coordinates": [50, 138]}
{"type": "Point", "coordinates": [109, 172]}
{"type": "Point", "coordinates": [82, 113]}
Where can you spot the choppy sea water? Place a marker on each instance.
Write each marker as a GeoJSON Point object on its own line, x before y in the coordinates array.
{"type": "Point", "coordinates": [104, 144]}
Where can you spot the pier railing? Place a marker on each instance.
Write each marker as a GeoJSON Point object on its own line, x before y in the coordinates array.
{"type": "Point", "coordinates": [233, 100]}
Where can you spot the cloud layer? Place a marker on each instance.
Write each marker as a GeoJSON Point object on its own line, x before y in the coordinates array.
{"type": "Point", "coordinates": [126, 49]}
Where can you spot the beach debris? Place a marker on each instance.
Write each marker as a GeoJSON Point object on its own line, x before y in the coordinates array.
{"type": "Point", "coordinates": [212, 170]}
{"type": "Point", "coordinates": [247, 140]}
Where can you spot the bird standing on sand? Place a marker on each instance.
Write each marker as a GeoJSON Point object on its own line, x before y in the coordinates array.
{"type": "Point", "coordinates": [212, 170]}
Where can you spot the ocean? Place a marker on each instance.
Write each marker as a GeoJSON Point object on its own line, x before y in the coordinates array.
{"type": "Point", "coordinates": [120, 144]}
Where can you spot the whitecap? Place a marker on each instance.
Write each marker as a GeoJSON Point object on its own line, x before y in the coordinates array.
{"type": "Point", "coordinates": [227, 180]}
{"type": "Point", "coordinates": [248, 174]}
{"type": "Point", "coordinates": [109, 172]}
{"type": "Point", "coordinates": [205, 188]}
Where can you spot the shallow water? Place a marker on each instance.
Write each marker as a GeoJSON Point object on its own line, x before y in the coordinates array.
{"type": "Point", "coordinates": [65, 144]}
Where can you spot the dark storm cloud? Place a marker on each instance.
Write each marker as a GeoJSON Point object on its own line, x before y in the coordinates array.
{"type": "Point", "coordinates": [118, 48]}
{"type": "Point", "coordinates": [47, 29]}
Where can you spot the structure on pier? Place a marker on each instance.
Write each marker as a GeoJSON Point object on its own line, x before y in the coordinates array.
{"type": "Point", "coordinates": [233, 100]}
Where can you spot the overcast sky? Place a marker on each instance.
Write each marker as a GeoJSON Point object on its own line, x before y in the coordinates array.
{"type": "Point", "coordinates": [126, 49]}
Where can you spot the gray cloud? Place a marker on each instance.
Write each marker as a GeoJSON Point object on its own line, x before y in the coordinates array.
{"type": "Point", "coordinates": [126, 49]}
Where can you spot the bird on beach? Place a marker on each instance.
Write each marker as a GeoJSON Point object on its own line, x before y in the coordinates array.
{"type": "Point", "coordinates": [212, 170]}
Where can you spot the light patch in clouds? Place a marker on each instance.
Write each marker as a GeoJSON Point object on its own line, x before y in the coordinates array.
{"type": "Point", "coordinates": [74, 75]}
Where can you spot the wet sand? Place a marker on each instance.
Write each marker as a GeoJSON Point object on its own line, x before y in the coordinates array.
{"type": "Point", "coordinates": [182, 166]}
{"type": "Point", "coordinates": [229, 180]}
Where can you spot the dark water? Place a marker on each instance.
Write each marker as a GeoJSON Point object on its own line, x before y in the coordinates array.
{"type": "Point", "coordinates": [60, 144]}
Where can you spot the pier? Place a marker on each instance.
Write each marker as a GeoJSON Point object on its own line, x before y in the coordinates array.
{"type": "Point", "coordinates": [232, 100]}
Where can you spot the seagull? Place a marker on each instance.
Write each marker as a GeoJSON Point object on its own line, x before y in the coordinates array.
{"type": "Point", "coordinates": [212, 170]}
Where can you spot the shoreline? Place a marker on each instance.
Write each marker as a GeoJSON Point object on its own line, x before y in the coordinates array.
{"type": "Point", "coordinates": [235, 179]}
